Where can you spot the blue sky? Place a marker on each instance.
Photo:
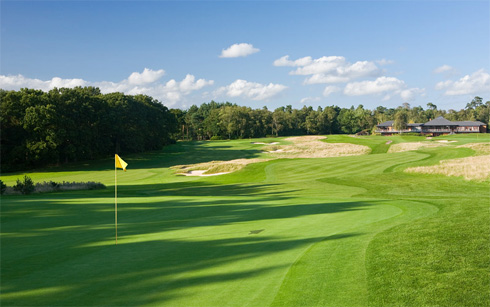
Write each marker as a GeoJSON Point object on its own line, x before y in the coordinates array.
{"type": "Point", "coordinates": [254, 53]}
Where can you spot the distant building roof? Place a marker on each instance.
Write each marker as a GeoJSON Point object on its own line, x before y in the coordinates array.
{"type": "Point", "coordinates": [414, 125]}
{"type": "Point", "coordinates": [470, 123]}
{"type": "Point", "coordinates": [440, 121]}
{"type": "Point", "coordinates": [387, 124]}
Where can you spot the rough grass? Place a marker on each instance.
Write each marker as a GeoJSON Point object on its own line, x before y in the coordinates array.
{"type": "Point", "coordinates": [401, 147]}
{"type": "Point", "coordinates": [313, 147]}
{"type": "Point", "coordinates": [479, 148]}
{"type": "Point", "coordinates": [470, 168]}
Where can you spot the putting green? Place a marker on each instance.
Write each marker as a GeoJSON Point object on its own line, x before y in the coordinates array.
{"type": "Point", "coordinates": [345, 231]}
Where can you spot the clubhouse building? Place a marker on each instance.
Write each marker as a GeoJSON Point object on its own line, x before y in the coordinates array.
{"type": "Point", "coordinates": [435, 127]}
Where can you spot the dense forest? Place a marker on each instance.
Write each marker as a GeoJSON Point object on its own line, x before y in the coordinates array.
{"type": "Point", "coordinates": [74, 124]}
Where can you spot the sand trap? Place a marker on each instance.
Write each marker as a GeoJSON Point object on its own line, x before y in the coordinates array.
{"type": "Point", "coordinates": [446, 141]}
{"type": "Point", "coordinates": [201, 173]}
{"type": "Point", "coordinates": [470, 168]}
{"type": "Point", "coordinates": [214, 168]}
{"type": "Point", "coordinates": [302, 147]}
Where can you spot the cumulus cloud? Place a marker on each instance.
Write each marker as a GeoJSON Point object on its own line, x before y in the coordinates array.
{"type": "Point", "coordinates": [19, 81]}
{"type": "Point", "coordinates": [476, 83]}
{"type": "Point", "coordinates": [389, 86]}
{"type": "Point", "coordinates": [380, 85]}
{"type": "Point", "coordinates": [309, 99]}
{"type": "Point", "coordinates": [284, 61]}
{"type": "Point", "coordinates": [146, 82]}
{"type": "Point", "coordinates": [330, 89]}
{"type": "Point", "coordinates": [252, 90]}
{"type": "Point", "coordinates": [329, 69]}
{"type": "Point", "coordinates": [443, 69]}
{"type": "Point", "coordinates": [238, 50]}
{"type": "Point", "coordinates": [147, 76]}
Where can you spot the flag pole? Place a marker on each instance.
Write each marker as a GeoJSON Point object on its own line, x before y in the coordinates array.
{"type": "Point", "coordinates": [115, 177]}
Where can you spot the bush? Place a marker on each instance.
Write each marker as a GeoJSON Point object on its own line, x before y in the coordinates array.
{"type": "Point", "coordinates": [216, 138]}
{"type": "Point", "coordinates": [3, 187]}
{"type": "Point", "coordinates": [52, 186]}
{"type": "Point", "coordinates": [24, 187]}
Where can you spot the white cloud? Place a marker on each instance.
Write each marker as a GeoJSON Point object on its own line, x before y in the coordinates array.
{"type": "Point", "coordinates": [170, 93]}
{"type": "Point", "coordinates": [19, 81]}
{"type": "Point", "coordinates": [476, 83]}
{"type": "Point", "coordinates": [443, 69]}
{"type": "Point", "coordinates": [238, 50]}
{"type": "Point", "coordinates": [329, 69]}
{"type": "Point", "coordinates": [411, 94]}
{"type": "Point", "coordinates": [380, 85]}
{"type": "Point", "coordinates": [389, 86]}
{"type": "Point", "coordinates": [330, 89]}
{"type": "Point", "coordinates": [147, 76]}
{"type": "Point", "coordinates": [252, 90]}
{"type": "Point", "coordinates": [284, 61]}
{"type": "Point", "coordinates": [323, 79]}
{"type": "Point", "coordinates": [310, 99]}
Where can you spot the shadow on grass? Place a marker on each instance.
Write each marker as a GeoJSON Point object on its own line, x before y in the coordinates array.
{"type": "Point", "coordinates": [143, 272]}
{"type": "Point", "coordinates": [176, 154]}
{"type": "Point", "coordinates": [56, 252]}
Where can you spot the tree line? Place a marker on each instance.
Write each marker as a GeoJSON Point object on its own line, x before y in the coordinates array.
{"type": "Point", "coordinates": [215, 120]}
{"type": "Point", "coordinates": [74, 124]}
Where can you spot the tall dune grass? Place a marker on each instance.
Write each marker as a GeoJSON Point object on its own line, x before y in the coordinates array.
{"type": "Point", "coordinates": [470, 168]}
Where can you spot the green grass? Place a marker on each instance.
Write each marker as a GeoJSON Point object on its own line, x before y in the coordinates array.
{"type": "Point", "coordinates": [346, 231]}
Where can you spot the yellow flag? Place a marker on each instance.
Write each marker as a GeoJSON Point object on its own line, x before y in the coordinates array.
{"type": "Point", "coordinates": [120, 163]}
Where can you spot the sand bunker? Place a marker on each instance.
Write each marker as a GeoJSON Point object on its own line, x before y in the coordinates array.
{"type": "Point", "coordinates": [214, 168]}
{"type": "Point", "coordinates": [446, 141]}
{"type": "Point", "coordinates": [312, 147]}
{"type": "Point", "coordinates": [401, 147]}
{"type": "Point", "coordinates": [470, 168]}
{"type": "Point", "coordinates": [201, 173]}
{"type": "Point", "coordinates": [302, 147]}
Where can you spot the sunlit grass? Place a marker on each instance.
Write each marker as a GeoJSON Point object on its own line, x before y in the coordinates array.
{"type": "Point", "coordinates": [339, 231]}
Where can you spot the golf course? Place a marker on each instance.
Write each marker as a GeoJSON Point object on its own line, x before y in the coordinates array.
{"type": "Point", "coordinates": [333, 221]}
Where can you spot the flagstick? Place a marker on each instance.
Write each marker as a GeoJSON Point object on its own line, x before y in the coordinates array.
{"type": "Point", "coordinates": [115, 176]}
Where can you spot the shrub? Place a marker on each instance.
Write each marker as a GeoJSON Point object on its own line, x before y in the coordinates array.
{"type": "Point", "coordinates": [3, 187]}
{"type": "Point", "coordinates": [216, 138]}
{"type": "Point", "coordinates": [24, 187]}
{"type": "Point", "coordinates": [52, 186]}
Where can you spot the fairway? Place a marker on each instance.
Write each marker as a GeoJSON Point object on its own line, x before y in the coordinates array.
{"type": "Point", "coordinates": [336, 231]}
